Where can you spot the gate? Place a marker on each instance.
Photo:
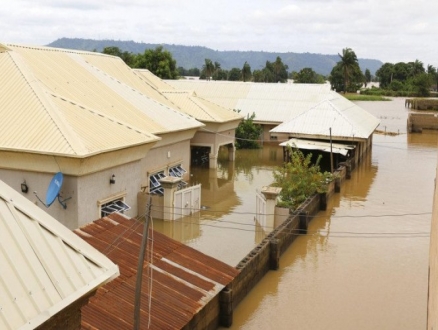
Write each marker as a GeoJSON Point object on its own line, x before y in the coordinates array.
{"type": "Point", "coordinates": [186, 201]}
{"type": "Point", "coordinates": [260, 209]}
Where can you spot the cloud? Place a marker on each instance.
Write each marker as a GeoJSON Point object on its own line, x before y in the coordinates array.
{"type": "Point", "coordinates": [389, 30]}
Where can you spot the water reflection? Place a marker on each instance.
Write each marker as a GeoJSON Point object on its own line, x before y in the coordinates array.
{"type": "Point", "coordinates": [355, 270]}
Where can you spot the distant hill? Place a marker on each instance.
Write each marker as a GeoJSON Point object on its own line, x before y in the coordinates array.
{"type": "Point", "coordinates": [194, 56]}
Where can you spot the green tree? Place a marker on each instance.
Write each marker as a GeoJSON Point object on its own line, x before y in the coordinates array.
{"type": "Point", "coordinates": [246, 72]}
{"type": "Point", "coordinates": [258, 76]}
{"type": "Point", "coordinates": [127, 57]}
{"type": "Point", "coordinates": [207, 69]}
{"type": "Point", "coordinates": [194, 72]}
{"type": "Point", "coordinates": [159, 61]}
{"type": "Point", "coordinates": [308, 76]}
{"type": "Point", "coordinates": [385, 74]}
{"type": "Point", "coordinates": [279, 69]}
{"type": "Point", "coordinates": [400, 72]}
{"type": "Point", "coordinates": [248, 134]}
{"type": "Point", "coordinates": [337, 79]}
{"type": "Point", "coordinates": [416, 68]}
{"type": "Point", "coordinates": [421, 84]}
{"type": "Point", "coordinates": [433, 74]}
{"type": "Point", "coordinates": [300, 178]}
{"type": "Point", "coordinates": [348, 65]}
{"type": "Point", "coordinates": [234, 74]}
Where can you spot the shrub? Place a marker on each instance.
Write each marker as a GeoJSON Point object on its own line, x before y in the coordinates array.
{"type": "Point", "coordinates": [300, 179]}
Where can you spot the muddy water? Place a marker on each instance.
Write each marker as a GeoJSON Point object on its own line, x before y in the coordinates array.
{"type": "Point", "coordinates": [363, 264]}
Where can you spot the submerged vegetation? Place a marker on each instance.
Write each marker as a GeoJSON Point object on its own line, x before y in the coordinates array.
{"type": "Point", "coordinates": [300, 178]}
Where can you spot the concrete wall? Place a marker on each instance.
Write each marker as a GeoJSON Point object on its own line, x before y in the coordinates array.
{"type": "Point", "coordinates": [95, 189]}
{"type": "Point", "coordinates": [161, 158]}
{"type": "Point", "coordinates": [84, 192]}
{"type": "Point", "coordinates": [266, 255]}
{"type": "Point", "coordinates": [419, 121]}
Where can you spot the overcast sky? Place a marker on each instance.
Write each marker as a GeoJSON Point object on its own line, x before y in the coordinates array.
{"type": "Point", "coordinates": [387, 30]}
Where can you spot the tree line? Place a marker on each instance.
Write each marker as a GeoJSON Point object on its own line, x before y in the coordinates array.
{"type": "Point", "coordinates": [346, 76]}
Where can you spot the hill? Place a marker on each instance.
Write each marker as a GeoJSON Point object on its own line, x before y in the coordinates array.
{"type": "Point", "coordinates": [194, 56]}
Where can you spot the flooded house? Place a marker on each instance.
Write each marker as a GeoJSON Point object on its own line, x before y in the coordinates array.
{"type": "Point", "coordinates": [220, 122]}
{"type": "Point", "coordinates": [109, 133]}
{"type": "Point", "coordinates": [310, 112]}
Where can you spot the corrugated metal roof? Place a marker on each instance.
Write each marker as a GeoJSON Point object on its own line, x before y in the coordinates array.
{"type": "Point", "coordinates": [183, 279]}
{"type": "Point", "coordinates": [345, 119]}
{"type": "Point", "coordinates": [189, 102]}
{"type": "Point", "coordinates": [32, 76]}
{"type": "Point", "coordinates": [44, 266]}
{"type": "Point", "coordinates": [315, 106]}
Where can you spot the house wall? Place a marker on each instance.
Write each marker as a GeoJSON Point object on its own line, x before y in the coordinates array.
{"type": "Point", "coordinates": [95, 189]}
{"type": "Point", "coordinates": [163, 157]}
{"type": "Point", "coordinates": [83, 192]}
{"type": "Point", "coordinates": [38, 182]}
{"type": "Point", "coordinates": [266, 134]}
{"type": "Point", "coordinates": [213, 139]}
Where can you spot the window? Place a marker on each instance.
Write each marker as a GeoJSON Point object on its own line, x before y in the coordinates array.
{"type": "Point", "coordinates": [178, 171]}
{"type": "Point", "coordinates": [154, 183]}
{"type": "Point", "coordinates": [113, 206]}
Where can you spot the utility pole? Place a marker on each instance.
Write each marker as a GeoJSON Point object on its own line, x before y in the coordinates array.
{"type": "Point", "coordinates": [331, 151]}
{"type": "Point", "coordinates": [143, 246]}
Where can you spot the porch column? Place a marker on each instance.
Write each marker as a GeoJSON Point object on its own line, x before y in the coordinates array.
{"type": "Point", "coordinates": [212, 157]}
{"type": "Point", "coordinates": [232, 152]}
{"type": "Point", "coordinates": [270, 194]}
{"type": "Point", "coordinates": [170, 185]}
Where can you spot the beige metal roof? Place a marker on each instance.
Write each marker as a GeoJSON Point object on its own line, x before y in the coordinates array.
{"type": "Point", "coordinates": [271, 103]}
{"type": "Point", "coordinates": [299, 108]}
{"type": "Point", "coordinates": [33, 81]}
{"type": "Point", "coordinates": [44, 266]}
{"type": "Point", "coordinates": [189, 102]}
{"type": "Point", "coordinates": [345, 120]}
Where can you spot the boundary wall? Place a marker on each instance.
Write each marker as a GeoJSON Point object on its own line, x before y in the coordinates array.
{"type": "Point", "coordinates": [266, 255]}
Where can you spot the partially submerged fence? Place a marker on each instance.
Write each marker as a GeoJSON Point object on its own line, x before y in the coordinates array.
{"type": "Point", "coordinates": [266, 255]}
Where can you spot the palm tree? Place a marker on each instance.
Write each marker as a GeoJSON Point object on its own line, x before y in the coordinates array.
{"type": "Point", "coordinates": [348, 62]}
{"type": "Point", "coordinates": [416, 68]}
{"type": "Point", "coordinates": [208, 68]}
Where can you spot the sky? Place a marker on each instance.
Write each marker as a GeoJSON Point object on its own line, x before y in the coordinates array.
{"type": "Point", "coordinates": [387, 30]}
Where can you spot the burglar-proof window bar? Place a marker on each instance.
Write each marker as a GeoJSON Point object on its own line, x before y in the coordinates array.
{"type": "Point", "coordinates": [113, 206]}
{"type": "Point", "coordinates": [154, 183]}
{"type": "Point", "coordinates": [178, 171]}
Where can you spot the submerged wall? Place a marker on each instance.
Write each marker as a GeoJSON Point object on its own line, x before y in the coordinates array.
{"type": "Point", "coordinates": [419, 121]}
{"type": "Point", "coordinates": [266, 255]}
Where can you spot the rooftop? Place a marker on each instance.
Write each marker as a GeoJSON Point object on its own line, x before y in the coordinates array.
{"type": "Point", "coordinates": [44, 266]}
{"type": "Point", "coordinates": [182, 279]}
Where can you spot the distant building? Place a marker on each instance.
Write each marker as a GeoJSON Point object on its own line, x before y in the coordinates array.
{"type": "Point", "coordinates": [285, 111]}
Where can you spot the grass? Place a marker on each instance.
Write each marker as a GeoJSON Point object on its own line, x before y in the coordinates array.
{"type": "Point", "coordinates": [360, 97]}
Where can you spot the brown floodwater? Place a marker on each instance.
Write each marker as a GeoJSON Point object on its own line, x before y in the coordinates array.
{"type": "Point", "coordinates": [364, 262]}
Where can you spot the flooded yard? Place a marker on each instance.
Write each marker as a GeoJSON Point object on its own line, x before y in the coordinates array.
{"type": "Point", "coordinates": [363, 263]}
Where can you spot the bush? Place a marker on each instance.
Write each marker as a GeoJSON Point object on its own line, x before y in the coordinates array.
{"type": "Point", "coordinates": [300, 179]}
{"type": "Point", "coordinates": [248, 134]}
